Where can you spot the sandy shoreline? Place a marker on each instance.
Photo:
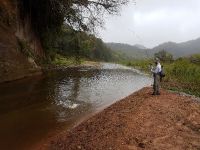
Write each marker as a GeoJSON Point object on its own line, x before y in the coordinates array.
{"type": "Point", "coordinates": [139, 121]}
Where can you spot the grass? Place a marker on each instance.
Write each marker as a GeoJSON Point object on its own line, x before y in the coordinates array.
{"type": "Point", "coordinates": [25, 48]}
{"type": "Point", "coordinates": [139, 64]}
{"type": "Point", "coordinates": [181, 75]}
{"type": "Point", "coordinates": [60, 60]}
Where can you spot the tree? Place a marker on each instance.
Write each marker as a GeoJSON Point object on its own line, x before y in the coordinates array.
{"type": "Point", "coordinates": [74, 43]}
{"type": "Point", "coordinates": [84, 15]}
{"type": "Point", "coordinates": [101, 51]}
{"type": "Point", "coordinates": [79, 44]}
{"type": "Point", "coordinates": [48, 16]}
{"type": "Point", "coordinates": [164, 56]}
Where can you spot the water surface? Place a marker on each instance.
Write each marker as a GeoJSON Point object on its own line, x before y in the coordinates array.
{"type": "Point", "coordinates": [32, 108]}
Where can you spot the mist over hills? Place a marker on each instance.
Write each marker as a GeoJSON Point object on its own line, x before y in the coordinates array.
{"type": "Point", "coordinates": [131, 51]}
{"type": "Point", "coordinates": [139, 51]}
{"type": "Point", "coordinates": [180, 49]}
{"type": "Point", "coordinates": [140, 46]}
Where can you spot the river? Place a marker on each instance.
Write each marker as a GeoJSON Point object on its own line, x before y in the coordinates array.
{"type": "Point", "coordinates": [33, 108]}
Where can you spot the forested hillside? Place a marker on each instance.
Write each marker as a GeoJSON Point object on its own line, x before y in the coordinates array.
{"type": "Point", "coordinates": [130, 51]}
{"type": "Point", "coordinates": [183, 49]}
{"type": "Point", "coordinates": [180, 49]}
{"type": "Point", "coordinates": [34, 31]}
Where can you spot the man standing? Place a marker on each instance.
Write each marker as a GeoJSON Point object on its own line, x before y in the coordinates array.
{"type": "Point", "coordinates": [156, 76]}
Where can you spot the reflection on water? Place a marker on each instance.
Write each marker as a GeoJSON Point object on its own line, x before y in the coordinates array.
{"type": "Point", "coordinates": [31, 108]}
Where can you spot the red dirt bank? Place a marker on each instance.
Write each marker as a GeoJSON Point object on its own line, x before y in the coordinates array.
{"type": "Point", "coordinates": [140, 121]}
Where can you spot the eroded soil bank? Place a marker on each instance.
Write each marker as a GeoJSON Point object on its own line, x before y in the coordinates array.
{"type": "Point", "coordinates": [139, 121]}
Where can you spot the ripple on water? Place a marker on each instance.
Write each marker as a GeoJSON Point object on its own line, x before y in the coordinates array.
{"type": "Point", "coordinates": [62, 98]}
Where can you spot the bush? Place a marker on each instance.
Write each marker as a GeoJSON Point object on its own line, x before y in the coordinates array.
{"type": "Point", "coordinates": [183, 70]}
{"type": "Point", "coordinates": [184, 76]}
{"type": "Point", "coordinates": [64, 61]}
{"type": "Point", "coordinates": [195, 59]}
{"type": "Point", "coordinates": [164, 56]}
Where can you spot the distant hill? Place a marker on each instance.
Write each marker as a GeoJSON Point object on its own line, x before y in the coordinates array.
{"type": "Point", "coordinates": [180, 49]}
{"type": "Point", "coordinates": [140, 46]}
{"type": "Point", "coordinates": [140, 52]}
{"type": "Point", "coordinates": [131, 51]}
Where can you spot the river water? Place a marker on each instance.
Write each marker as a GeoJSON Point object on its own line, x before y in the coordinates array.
{"type": "Point", "coordinates": [31, 109]}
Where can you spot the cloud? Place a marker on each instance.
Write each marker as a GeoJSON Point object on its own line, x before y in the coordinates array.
{"type": "Point", "coordinates": [151, 22]}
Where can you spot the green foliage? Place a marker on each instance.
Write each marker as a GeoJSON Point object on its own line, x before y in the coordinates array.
{"type": "Point", "coordinates": [185, 75]}
{"type": "Point", "coordinates": [65, 61]}
{"type": "Point", "coordinates": [195, 59]}
{"type": "Point", "coordinates": [181, 74]}
{"type": "Point", "coordinates": [164, 56]}
{"type": "Point", "coordinates": [143, 64]}
{"type": "Point", "coordinates": [47, 18]}
{"type": "Point", "coordinates": [119, 57]}
{"type": "Point", "coordinates": [101, 51]}
{"type": "Point", "coordinates": [130, 51]}
{"type": "Point", "coordinates": [83, 15]}
{"type": "Point", "coordinates": [79, 45]}
{"type": "Point", "coordinates": [24, 47]}
{"type": "Point", "coordinates": [183, 70]}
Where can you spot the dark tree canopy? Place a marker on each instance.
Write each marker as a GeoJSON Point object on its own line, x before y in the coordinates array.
{"type": "Point", "coordinates": [84, 15]}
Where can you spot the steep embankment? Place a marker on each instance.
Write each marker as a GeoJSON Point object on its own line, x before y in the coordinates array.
{"type": "Point", "coordinates": [19, 47]}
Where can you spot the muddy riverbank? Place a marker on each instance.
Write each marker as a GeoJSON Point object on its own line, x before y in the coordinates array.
{"type": "Point", "coordinates": [139, 121]}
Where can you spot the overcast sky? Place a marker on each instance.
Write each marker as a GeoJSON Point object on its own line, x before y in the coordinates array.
{"type": "Point", "coordinates": [152, 22]}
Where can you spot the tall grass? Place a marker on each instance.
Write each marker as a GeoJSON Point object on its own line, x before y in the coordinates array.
{"type": "Point", "coordinates": [183, 70]}
{"type": "Point", "coordinates": [60, 60]}
{"type": "Point", "coordinates": [181, 75]}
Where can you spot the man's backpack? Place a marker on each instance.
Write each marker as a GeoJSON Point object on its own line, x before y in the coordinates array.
{"type": "Point", "coordinates": [162, 74]}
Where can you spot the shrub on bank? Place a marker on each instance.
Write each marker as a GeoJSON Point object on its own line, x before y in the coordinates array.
{"type": "Point", "coordinates": [65, 61]}
{"type": "Point", "coordinates": [182, 74]}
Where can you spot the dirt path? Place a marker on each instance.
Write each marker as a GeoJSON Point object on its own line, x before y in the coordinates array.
{"type": "Point", "coordinates": [140, 121]}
